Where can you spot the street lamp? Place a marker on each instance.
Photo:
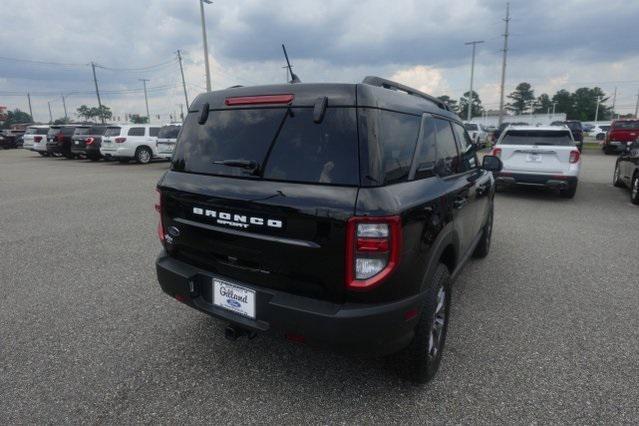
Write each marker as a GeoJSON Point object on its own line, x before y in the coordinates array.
{"type": "Point", "coordinates": [472, 74]}
{"type": "Point", "coordinates": [206, 45]}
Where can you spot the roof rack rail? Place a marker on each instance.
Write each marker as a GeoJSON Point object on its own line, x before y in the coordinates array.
{"type": "Point", "coordinates": [388, 84]}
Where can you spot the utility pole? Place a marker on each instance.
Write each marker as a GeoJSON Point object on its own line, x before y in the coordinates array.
{"type": "Point", "coordinates": [637, 105]}
{"type": "Point", "coordinates": [146, 99]}
{"type": "Point", "coordinates": [64, 105]}
{"type": "Point", "coordinates": [186, 96]}
{"type": "Point", "coordinates": [206, 45]}
{"type": "Point", "coordinates": [30, 110]}
{"type": "Point", "coordinates": [614, 102]}
{"type": "Point", "coordinates": [597, 110]}
{"type": "Point", "coordinates": [472, 74]}
{"type": "Point", "coordinates": [503, 67]}
{"type": "Point", "coordinates": [97, 91]}
{"type": "Point", "coordinates": [182, 112]}
{"type": "Point", "coordinates": [554, 104]}
{"type": "Point", "coordinates": [50, 115]}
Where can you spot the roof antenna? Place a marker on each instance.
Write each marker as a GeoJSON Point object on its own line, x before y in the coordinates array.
{"type": "Point", "coordinates": [294, 78]}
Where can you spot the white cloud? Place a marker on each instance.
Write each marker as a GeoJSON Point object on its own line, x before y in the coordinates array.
{"type": "Point", "coordinates": [421, 77]}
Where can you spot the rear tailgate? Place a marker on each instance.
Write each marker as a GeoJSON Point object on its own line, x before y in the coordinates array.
{"type": "Point", "coordinates": [536, 159]}
{"type": "Point", "coordinates": [624, 131]}
{"type": "Point", "coordinates": [262, 194]}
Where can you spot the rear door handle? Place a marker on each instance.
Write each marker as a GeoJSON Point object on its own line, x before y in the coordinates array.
{"type": "Point", "coordinates": [460, 202]}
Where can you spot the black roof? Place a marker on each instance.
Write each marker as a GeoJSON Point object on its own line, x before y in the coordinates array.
{"type": "Point", "coordinates": [373, 92]}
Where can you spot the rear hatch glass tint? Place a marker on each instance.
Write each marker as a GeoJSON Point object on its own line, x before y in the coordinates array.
{"type": "Point", "coordinates": [99, 130]}
{"type": "Point", "coordinates": [112, 131]}
{"type": "Point", "coordinates": [272, 143]}
{"type": "Point", "coordinates": [537, 137]}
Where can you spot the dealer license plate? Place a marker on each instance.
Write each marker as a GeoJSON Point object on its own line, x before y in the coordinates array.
{"type": "Point", "coordinates": [534, 158]}
{"type": "Point", "coordinates": [234, 298]}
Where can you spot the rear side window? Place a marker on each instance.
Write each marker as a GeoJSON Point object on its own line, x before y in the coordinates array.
{"type": "Point", "coordinates": [112, 131]}
{"type": "Point", "coordinates": [153, 131]}
{"type": "Point", "coordinates": [68, 131]}
{"type": "Point", "coordinates": [537, 137]}
{"type": "Point", "coordinates": [468, 159]}
{"type": "Point", "coordinates": [30, 131]}
{"type": "Point", "coordinates": [391, 140]}
{"type": "Point", "coordinates": [471, 127]}
{"type": "Point", "coordinates": [447, 157]}
{"type": "Point", "coordinates": [426, 155]}
{"type": "Point", "coordinates": [136, 131]}
{"type": "Point", "coordinates": [41, 131]}
{"type": "Point", "coordinates": [54, 131]}
{"type": "Point", "coordinates": [99, 130]}
{"type": "Point", "coordinates": [273, 144]}
{"type": "Point", "coordinates": [81, 131]}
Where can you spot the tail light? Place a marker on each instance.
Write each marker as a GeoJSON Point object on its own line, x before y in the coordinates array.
{"type": "Point", "coordinates": [120, 140]}
{"type": "Point", "coordinates": [89, 141]}
{"type": "Point", "coordinates": [372, 250]}
{"type": "Point", "coordinates": [59, 137]}
{"type": "Point", "coordinates": [37, 139]}
{"type": "Point", "coordinates": [497, 152]}
{"type": "Point", "coordinates": [574, 156]}
{"type": "Point", "coordinates": [158, 208]}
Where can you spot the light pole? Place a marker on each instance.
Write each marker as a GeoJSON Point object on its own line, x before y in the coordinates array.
{"type": "Point", "coordinates": [206, 46]}
{"type": "Point", "coordinates": [597, 110]}
{"type": "Point", "coordinates": [472, 74]}
{"type": "Point", "coordinates": [146, 99]}
{"type": "Point", "coordinates": [554, 104]}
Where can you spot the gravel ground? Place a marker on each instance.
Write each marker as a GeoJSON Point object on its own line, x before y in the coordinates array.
{"type": "Point", "coordinates": [546, 329]}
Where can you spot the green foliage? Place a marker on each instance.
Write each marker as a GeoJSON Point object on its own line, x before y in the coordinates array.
{"type": "Point", "coordinates": [523, 98]}
{"type": "Point", "coordinates": [94, 113]}
{"type": "Point", "coordinates": [543, 104]}
{"type": "Point", "coordinates": [582, 104]}
{"type": "Point", "coordinates": [139, 119]}
{"type": "Point", "coordinates": [15, 117]}
{"type": "Point", "coordinates": [476, 107]}
{"type": "Point", "coordinates": [62, 120]}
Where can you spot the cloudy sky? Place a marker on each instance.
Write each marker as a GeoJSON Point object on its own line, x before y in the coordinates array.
{"type": "Point", "coordinates": [553, 45]}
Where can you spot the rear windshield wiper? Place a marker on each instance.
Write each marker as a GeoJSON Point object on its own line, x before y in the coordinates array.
{"type": "Point", "coordinates": [241, 164]}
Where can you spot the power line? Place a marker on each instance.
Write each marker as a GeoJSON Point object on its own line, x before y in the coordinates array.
{"type": "Point", "coordinates": [32, 61]}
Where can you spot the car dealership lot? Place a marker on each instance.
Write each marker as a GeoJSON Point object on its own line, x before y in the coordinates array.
{"type": "Point", "coordinates": [546, 330]}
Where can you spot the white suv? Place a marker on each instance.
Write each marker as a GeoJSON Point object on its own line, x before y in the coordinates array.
{"type": "Point", "coordinates": [539, 156]}
{"type": "Point", "coordinates": [167, 138]}
{"type": "Point", "coordinates": [130, 142]}
{"type": "Point", "coordinates": [36, 135]}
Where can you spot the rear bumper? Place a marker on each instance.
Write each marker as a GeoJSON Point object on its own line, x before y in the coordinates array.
{"type": "Point", "coordinates": [373, 330]}
{"type": "Point", "coordinates": [120, 152]}
{"type": "Point", "coordinates": [614, 146]}
{"type": "Point", "coordinates": [78, 150]}
{"type": "Point", "coordinates": [550, 181]}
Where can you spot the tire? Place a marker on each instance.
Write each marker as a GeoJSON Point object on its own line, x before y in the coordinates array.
{"type": "Point", "coordinates": [94, 158]}
{"type": "Point", "coordinates": [616, 178]}
{"type": "Point", "coordinates": [420, 360]}
{"type": "Point", "coordinates": [568, 192]}
{"type": "Point", "coordinates": [634, 189]}
{"type": "Point", "coordinates": [123, 160]}
{"type": "Point", "coordinates": [600, 136]}
{"type": "Point", "coordinates": [483, 247]}
{"type": "Point", "coordinates": [143, 155]}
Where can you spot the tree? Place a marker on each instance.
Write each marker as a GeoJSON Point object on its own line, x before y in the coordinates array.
{"type": "Point", "coordinates": [139, 119]}
{"type": "Point", "coordinates": [84, 112]}
{"type": "Point", "coordinates": [62, 120]}
{"type": "Point", "coordinates": [584, 102]}
{"type": "Point", "coordinates": [476, 109]}
{"type": "Point", "coordinates": [15, 117]}
{"type": "Point", "coordinates": [563, 100]}
{"type": "Point", "coordinates": [523, 98]}
{"type": "Point", "coordinates": [452, 103]}
{"type": "Point", "coordinates": [543, 104]}
{"type": "Point", "coordinates": [103, 112]}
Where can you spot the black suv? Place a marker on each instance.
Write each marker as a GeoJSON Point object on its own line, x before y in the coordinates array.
{"type": "Point", "coordinates": [59, 139]}
{"type": "Point", "coordinates": [86, 141]}
{"type": "Point", "coordinates": [333, 214]}
{"type": "Point", "coordinates": [627, 170]}
{"type": "Point", "coordinates": [577, 130]}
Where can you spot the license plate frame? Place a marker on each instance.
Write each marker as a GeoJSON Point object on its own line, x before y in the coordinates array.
{"type": "Point", "coordinates": [234, 298]}
{"type": "Point", "coordinates": [534, 158]}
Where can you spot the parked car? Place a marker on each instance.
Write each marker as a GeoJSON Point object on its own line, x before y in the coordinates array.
{"type": "Point", "coordinates": [33, 135]}
{"type": "Point", "coordinates": [167, 138]}
{"type": "Point", "coordinates": [332, 214]}
{"type": "Point", "coordinates": [477, 133]}
{"type": "Point", "coordinates": [12, 138]}
{"type": "Point", "coordinates": [502, 126]}
{"type": "Point", "coordinates": [83, 140]}
{"type": "Point", "coordinates": [131, 142]}
{"type": "Point", "coordinates": [621, 132]}
{"type": "Point", "coordinates": [59, 139]}
{"type": "Point", "coordinates": [627, 170]}
{"type": "Point", "coordinates": [587, 128]}
{"type": "Point", "coordinates": [539, 156]}
{"type": "Point", "coordinates": [576, 128]}
{"type": "Point", "coordinates": [599, 132]}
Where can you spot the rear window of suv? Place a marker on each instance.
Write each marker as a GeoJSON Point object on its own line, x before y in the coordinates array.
{"type": "Point", "coordinates": [273, 144]}
{"type": "Point", "coordinates": [626, 125]}
{"type": "Point", "coordinates": [37, 131]}
{"type": "Point", "coordinates": [537, 137]}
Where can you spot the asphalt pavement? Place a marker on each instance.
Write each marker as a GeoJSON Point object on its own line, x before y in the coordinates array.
{"type": "Point", "coordinates": [545, 329]}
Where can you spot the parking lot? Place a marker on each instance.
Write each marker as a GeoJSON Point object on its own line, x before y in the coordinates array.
{"type": "Point", "coordinates": [547, 329]}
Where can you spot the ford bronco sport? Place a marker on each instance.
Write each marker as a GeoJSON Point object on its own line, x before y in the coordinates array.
{"type": "Point", "coordinates": [332, 214]}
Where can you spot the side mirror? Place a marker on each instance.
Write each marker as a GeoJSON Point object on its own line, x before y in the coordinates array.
{"type": "Point", "coordinates": [492, 163]}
